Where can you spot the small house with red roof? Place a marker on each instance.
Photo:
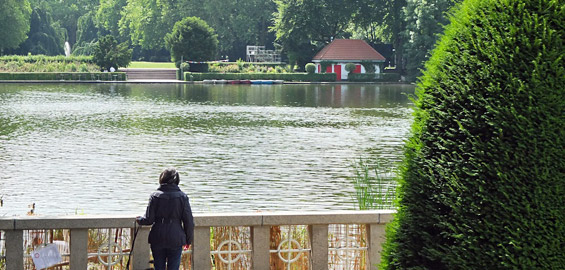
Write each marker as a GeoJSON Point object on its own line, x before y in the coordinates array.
{"type": "Point", "coordinates": [342, 51]}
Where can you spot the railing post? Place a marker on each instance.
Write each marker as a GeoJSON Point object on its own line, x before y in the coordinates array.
{"type": "Point", "coordinates": [140, 256]}
{"type": "Point", "coordinates": [201, 248]}
{"type": "Point", "coordinates": [260, 239]}
{"type": "Point", "coordinates": [375, 238]}
{"type": "Point", "coordinates": [79, 249]}
{"type": "Point", "coordinates": [15, 252]}
{"type": "Point", "coordinates": [319, 244]}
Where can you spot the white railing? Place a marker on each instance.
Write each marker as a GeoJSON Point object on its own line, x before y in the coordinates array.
{"type": "Point", "coordinates": [317, 229]}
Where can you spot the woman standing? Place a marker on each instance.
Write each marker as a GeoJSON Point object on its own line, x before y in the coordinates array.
{"type": "Point", "coordinates": [172, 223]}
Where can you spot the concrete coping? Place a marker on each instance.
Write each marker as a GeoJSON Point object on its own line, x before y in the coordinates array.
{"type": "Point", "coordinates": [204, 219]}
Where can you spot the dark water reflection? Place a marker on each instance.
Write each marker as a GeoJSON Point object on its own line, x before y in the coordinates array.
{"type": "Point", "coordinates": [98, 148]}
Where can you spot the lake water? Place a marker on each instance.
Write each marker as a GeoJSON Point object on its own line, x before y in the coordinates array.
{"type": "Point", "coordinates": [99, 148]}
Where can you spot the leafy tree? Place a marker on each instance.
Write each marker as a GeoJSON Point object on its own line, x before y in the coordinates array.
{"type": "Point", "coordinates": [299, 25]}
{"type": "Point", "coordinates": [243, 23]}
{"type": "Point", "coordinates": [237, 23]}
{"type": "Point", "coordinates": [425, 20]}
{"type": "Point", "coordinates": [144, 21]}
{"type": "Point", "coordinates": [381, 21]}
{"type": "Point", "coordinates": [14, 22]}
{"type": "Point", "coordinates": [43, 37]}
{"type": "Point", "coordinates": [87, 33]}
{"type": "Point", "coordinates": [192, 39]}
{"type": "Point", "coordinates": [68, 12]}
{"type": "Point", "coordinates": [108, 53]}
{"type": "Point", "coordinates": [483, 181]}
{"type": "Point", "coordinates": [108, 17]}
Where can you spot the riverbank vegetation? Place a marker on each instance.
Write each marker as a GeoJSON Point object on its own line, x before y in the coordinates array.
{"type": "Point", "coordinates": [43, 63]}
{"type": "Point", "coordinates": [484, 173]}
{"type": "Point", "coordinates": [44, 26]}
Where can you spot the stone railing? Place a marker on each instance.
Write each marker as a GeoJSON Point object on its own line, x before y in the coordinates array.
{"type": "Point", "coordinates": [259, 224]}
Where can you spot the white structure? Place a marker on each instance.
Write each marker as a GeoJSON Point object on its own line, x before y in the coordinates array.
{"type": "Point", "coordinates": [260, 54]}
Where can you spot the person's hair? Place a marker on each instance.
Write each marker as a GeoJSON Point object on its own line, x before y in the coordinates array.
{"type": "Point", "coordinates": [169, 176]}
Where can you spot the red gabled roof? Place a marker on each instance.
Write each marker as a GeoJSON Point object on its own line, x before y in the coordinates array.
{"type": "Point", "coordinates": [348, 49]}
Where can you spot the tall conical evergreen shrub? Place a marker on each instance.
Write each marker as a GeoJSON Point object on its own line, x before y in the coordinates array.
{"type": "Point", "coordinates": [483, 182]}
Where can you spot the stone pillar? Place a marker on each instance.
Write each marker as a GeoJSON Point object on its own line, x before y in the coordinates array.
{"type": "Point", "coordinates": [260, 241]}
{"type": "Point", "coordinates": [79, 249]}
{"type": "Point", "coordinates": [201, 248]}
{"type": "Point", "coordinates": [375, 238]}
{"type": "Point", "coordinates": [140, 256]}
{"type": "Point", "coordinates": [14, 249]}
{"type": "Point", "coordinates": [319, 245]}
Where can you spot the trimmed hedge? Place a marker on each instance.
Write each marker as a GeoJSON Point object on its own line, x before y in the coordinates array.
{"type": "Point", "coordinates": [303, 77]}
{"type": "Point", "coordinates": [45, 58]}
{"type": "Point", "coordinates": [483, 180]}
{"type": "Point", "coordinates": [53, 76]}
{"type": "Point", "coordinates": [373, 77]}
{"type": "Point", "coordinates": [247, 64]}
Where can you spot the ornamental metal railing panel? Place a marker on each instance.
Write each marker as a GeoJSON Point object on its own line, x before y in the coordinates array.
{"type": "Point", "coordinates": [259, 240]}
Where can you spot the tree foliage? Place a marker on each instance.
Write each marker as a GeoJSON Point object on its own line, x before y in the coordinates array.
{"type": "Point", "coordinates": [302, 27]}
{"type": "Point", "coordinates": [483, 181]}
{"type": "Point", "coordinates": [108, 53]}
{"type": "Point", "coordinates": [425, 21]}
{"type": "Point", "coordinates": [192, 39]}
{"type": "Point", "coordinates": [43, 37]}
{"type": "Point", "coordinates": [14, 22]}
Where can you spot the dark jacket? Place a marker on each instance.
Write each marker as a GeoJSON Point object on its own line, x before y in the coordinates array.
{"type": "Point", "coordinates": [170, 214]}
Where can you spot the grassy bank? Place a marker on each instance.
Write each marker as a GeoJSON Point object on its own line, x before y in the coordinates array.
{"type": "Point", "coordinates": [65, 76]}
{"type": "Point", "coordinates": [139, 64]}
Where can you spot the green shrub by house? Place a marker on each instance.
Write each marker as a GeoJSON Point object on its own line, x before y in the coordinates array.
{"type": "Point", "coordinates": [301, 77]}
{"type": "Point", "coordinates": [350, 67]}
{"type": "Point", "coordinates": [483, 181]}
{"type": "Point", "coordinates": [373, 77]}
{"type": "Point", "coordinates": [310, 68]}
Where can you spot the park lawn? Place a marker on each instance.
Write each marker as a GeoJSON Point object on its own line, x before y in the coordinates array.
{"type": "Point", "coordinates": [135, 64]}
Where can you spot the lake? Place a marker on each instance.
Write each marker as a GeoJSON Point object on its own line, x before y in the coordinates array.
{"type": "Point", "coordinates": [99, 148]}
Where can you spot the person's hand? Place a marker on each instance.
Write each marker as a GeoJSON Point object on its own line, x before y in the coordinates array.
{"type": "Point", "coordinates": [185, 247]}
{"type": "Point", "coordinates": [137, 219]}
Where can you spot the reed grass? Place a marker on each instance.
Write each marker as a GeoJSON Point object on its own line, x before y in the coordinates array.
{"type": "Point", "coordinates": [375, 185]}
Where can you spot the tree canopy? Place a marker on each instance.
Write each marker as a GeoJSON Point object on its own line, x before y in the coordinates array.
{"type": "Point", "coordinates": [14, 22]}
{"type": "Point", "coordinates": [192, 39]}
{"type": "Point", "coordinates": [108, 53]}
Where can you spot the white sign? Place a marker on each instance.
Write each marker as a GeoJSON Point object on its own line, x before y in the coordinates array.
{"type": "Point", "coordinates": [46, 256]}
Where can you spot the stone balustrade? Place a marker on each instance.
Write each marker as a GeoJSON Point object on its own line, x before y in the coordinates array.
{"type": "Point", "coordinates": [259, 223]}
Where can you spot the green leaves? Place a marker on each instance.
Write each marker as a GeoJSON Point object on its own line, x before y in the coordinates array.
{"type": "Point", "coordinates": [484, 173]}
{"type": "Point", "coordinates": [108, 53]}
{"type": "Point", "coordinates": [192, 39]}
{"type": "Point", "coordinates": [14, 22]}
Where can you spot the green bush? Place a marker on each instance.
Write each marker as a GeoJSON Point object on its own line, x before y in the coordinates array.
{"type": "Point", "coordinates": [483, 181]}
{"type": "Point", "coordinates": [192, 39]}
{"type": "Point", "coordinates": [350, 67]}
{"type": "Point", "coordinates": [44, 58]}
{"type": "Point", "coordinates": [57, 76]}
{"type": "Point", "coordinates": [369, 66]}
{"type": "Point", "coordinates": [108, 53]}
{"type": "Point", "coordinates": [373, 77]}
{"type": "Point", "coordinates": [310, 68]}
{"type": "Point", "coordinates": [305, 77]}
